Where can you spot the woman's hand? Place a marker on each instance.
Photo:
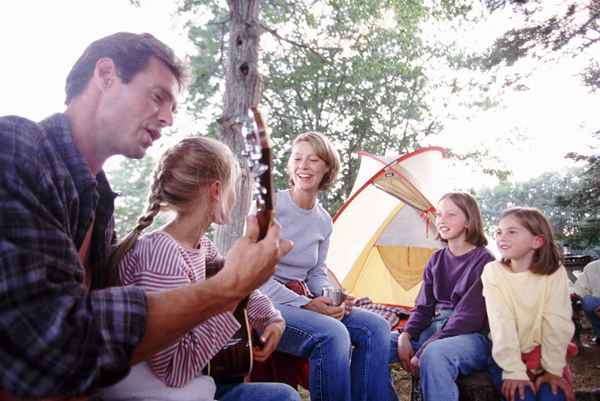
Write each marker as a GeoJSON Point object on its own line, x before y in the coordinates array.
{"type": "Point", "coordinates": [269, 339]}
{"type": "Point", "coordinates": [348, 302]}
{"type": "Point", "coordinates": [555, 383]}
{"type": "Point", "coordinates": [324, 306]}
{"type": "Point", "coordinates": [405, 351]}
{"type": "Point", "coordinates": [414, 365]}
{"type": "Point", "coordinates": [510, 387]}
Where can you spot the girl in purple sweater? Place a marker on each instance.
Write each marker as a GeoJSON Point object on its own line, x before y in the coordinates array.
{"type": "Point", "coordinates": [446, 334]}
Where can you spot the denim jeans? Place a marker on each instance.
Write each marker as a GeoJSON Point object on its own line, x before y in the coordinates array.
{"type": "Point", "coordinates": [256, 392]}
{"type": "Point", "coordinates": [347, 359]}
{"type": "Point", "coordinates": [590, 304]}
{"type": "Point", "coordinates": [445, 359]}
{"type": "Point", "coordinates": [545, 393]}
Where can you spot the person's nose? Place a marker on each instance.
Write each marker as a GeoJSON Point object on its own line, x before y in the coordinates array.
{"type": "Point", "coordinates": [165, 116]}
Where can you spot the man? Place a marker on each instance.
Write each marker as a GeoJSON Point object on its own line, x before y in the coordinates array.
{"type": "Point", "coordinates": [587, 287]}
{"type": "Point", "coordinates": [63, 330]}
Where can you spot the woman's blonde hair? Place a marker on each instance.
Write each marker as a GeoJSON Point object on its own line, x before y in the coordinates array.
{"type": "Point", "coordinates": [191, 164]}
{"type": "Point", "coordinates": [468, 205]}
{"type": "Point", "coordinates": [325, 151]}
{"type": "Point", "coordinates": [547, 258]}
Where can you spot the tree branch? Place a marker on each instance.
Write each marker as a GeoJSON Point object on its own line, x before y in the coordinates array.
{"type": "Point", "coordinates": [294, 43]}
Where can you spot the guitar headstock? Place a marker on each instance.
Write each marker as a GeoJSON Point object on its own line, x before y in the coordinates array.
{"type": "Point", "coordinates": [257, 151]}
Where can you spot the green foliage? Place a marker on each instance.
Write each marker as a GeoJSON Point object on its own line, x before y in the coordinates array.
{"type": "Point", "coordinates": [353, 69]}
{"type": "Point", "coordinates": [571, 28]}
{"type": "Point", "coordinates": [586, 198]}
{"type": "Point", "coordinates": [131, 180]}
{"type": "Point", "coordinates": [554, 195]}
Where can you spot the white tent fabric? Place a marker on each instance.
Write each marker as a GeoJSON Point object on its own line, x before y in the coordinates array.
{"type": "Point", "coordinates": [383, 234]}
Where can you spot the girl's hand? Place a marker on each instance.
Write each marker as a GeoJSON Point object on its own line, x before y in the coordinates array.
{"type": "Point", "coordinates": [324, 306]}
{"type": "Point", "coordinates": [415, 366]}
{"type": "Point", "coordinates": [269, 339]}
{"type": "Point", "coordinates": [555, 383]}
{"type": "Point", "coordinates": [405, 352]}
{"type": "Point", "coordinates": [348, 302]}
{"type": "Point", "coordinates": [510, 387]}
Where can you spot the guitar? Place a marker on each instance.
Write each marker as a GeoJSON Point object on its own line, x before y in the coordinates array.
{"type": "Point", "coordinates": [234, 361]}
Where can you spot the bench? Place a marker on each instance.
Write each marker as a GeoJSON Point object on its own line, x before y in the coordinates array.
{"type": "Point", "coordinates": [475, 387]}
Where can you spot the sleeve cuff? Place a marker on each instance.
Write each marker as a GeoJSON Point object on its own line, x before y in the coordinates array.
{"type": "Point", "coordinates": [517, 375]}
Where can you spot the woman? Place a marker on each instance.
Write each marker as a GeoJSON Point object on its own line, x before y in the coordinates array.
{"type": "Point", "coordinates": [346, 348]}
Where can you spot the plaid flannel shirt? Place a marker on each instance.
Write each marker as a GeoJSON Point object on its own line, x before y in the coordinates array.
{"type": "Point", "coordinates": [56, 336]}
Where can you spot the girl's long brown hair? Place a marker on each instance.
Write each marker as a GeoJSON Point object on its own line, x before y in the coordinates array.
{"type": "Point", "coordinates": [468, 205]}
{"type": "Point", "coordinates": [547, 258]}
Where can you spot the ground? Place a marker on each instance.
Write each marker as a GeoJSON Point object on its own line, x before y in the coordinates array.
{"type": "Point", "coordinates": [586, 370]}
{"type": "Point", "coordinates": [586, 365]}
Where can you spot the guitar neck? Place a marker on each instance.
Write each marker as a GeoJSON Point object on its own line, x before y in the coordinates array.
{"type": "Point", "coordinates": [265, 212]}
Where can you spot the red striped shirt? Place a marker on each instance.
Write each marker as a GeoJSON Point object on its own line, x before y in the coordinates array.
{"type": "Point", "coordinates": [157, 262]}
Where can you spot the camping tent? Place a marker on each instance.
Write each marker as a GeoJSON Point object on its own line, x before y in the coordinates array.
{"type": "Point", "coordinates": [383, 234]}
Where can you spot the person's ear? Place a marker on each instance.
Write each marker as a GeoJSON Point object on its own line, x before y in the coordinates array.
{"type": "Point", "coordinates": [105, 73]}
{"type": "Point", "coordinates": [215, 191]}
{"type": "Point", "coordinates": [538, 241]}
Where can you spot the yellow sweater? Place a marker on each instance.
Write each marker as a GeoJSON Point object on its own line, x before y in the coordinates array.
{"type": "Point", "coordinates": [524, 310]}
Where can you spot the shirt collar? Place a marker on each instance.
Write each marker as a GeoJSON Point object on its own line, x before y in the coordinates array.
{"type": "Point", "coordinates": [60, 134]}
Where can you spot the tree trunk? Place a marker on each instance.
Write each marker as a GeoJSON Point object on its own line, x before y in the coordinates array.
{"type": "Point", "coordinates": [242, 90]}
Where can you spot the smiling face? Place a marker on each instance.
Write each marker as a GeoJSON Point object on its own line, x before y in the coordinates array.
{"type": "Point", "coordinates": [450, 221]}
{"type": "Point", "coordinates": [514, 241]}
{"type": "Point", "coordinates": [131, 116]}
{"type": "Point", "coordinates": [306, 168]}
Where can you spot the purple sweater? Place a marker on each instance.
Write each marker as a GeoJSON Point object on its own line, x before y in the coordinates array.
{"type": "Point", "coordinates": [451, 282]}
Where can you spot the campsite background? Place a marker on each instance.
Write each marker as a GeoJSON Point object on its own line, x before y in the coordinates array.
{"type": "Point", "coordinates": [508, 87]}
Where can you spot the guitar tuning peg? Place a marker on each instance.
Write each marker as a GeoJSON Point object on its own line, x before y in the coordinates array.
{"type": "Point", "coordinates": [258, 169]}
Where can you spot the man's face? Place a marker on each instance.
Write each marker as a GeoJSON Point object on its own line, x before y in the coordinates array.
{"type": "Point", "coordinates": [131, 116]}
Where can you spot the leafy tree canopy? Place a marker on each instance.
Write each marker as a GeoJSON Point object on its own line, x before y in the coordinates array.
{"type": "Point", "coordinates": [553, 194]}
{"type": "Point", "coordinates": [357, 70]}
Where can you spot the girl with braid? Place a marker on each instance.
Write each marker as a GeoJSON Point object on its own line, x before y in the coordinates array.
{"type": "Point", "coordinates": [195, 179]}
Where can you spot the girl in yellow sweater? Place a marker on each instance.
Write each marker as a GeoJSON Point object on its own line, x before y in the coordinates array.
{"type": "Point", "coordinates": [529, 309]}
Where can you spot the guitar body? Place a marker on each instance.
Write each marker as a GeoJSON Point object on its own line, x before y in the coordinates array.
{"type": "Point", "coordinates": [234, 361]}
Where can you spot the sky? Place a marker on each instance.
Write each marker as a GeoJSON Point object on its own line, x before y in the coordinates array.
{"type": "Point", "coordinates": [40, 41]}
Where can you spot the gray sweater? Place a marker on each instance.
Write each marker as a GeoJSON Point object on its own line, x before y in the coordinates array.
{"type": "Point", "coordinates": [310, 230]}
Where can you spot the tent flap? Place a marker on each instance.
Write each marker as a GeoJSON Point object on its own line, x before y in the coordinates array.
{"type": "Point", "coordinates": [383, 236]}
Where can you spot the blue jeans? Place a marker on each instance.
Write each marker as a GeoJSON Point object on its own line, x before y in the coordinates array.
{"type": "Point", "coordinates": [347, 359]}
{"type": "Point", "coordinates": [256, 392]}
{"type": "Point", "coordinates": [545, 393]}
{"type": "Point", "coordinates": [590, 304]}
{"type": "Point", "coordinates": [445, 359]}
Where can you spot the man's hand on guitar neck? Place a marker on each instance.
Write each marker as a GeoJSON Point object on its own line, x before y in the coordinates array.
{"type": "Point", "coordinates": [250, 263]}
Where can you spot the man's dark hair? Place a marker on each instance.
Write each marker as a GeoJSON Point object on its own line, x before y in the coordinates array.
{"type": "Point", "coordinates": [130, 52]}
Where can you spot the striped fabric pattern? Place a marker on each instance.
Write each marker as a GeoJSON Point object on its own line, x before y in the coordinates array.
{"type": "Point", "coordinates": [157, 262]}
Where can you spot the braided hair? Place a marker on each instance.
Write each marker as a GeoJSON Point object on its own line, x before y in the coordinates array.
{"type": "Point", "coordinates": [182, 171]}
